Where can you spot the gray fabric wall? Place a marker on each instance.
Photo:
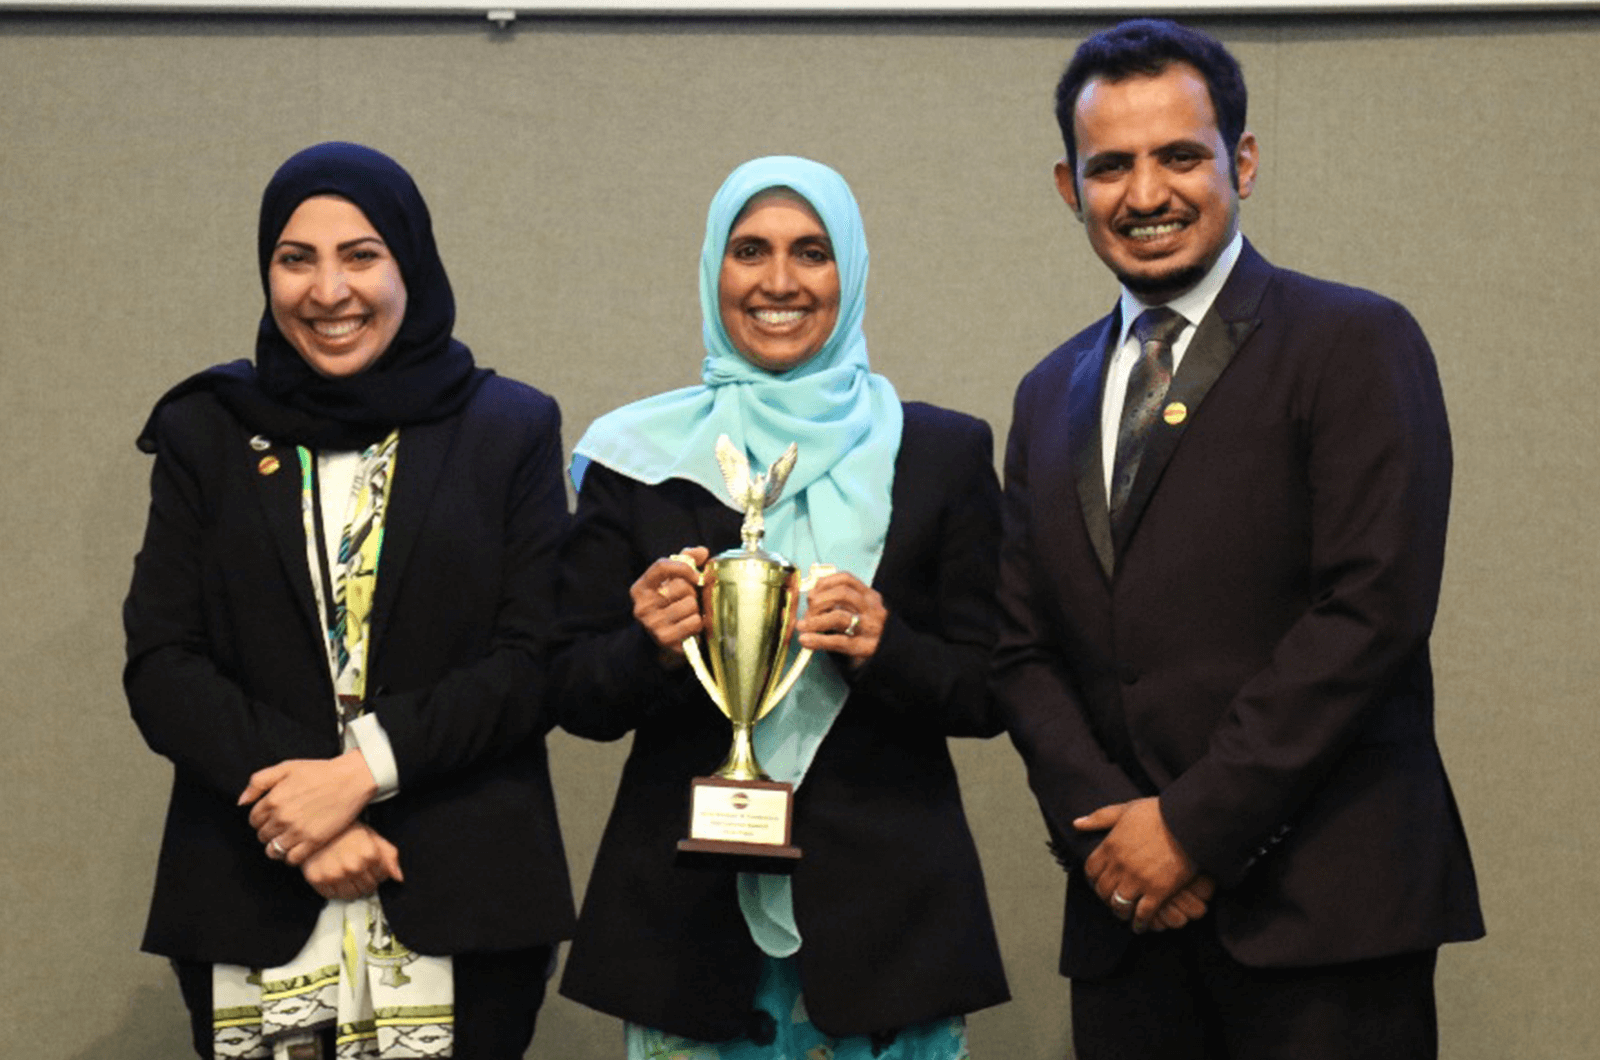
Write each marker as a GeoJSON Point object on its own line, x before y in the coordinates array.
{"type": "Point", "coordinates": [1448, 162]}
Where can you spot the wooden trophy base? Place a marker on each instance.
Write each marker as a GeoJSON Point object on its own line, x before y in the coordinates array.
{"type": "Point", "coordinates": [740, 825]}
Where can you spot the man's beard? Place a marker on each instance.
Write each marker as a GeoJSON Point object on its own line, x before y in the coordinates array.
{"type": "Point", "coordinates": [1166, 286]}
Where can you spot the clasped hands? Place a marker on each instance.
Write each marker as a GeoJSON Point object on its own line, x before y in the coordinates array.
{"type": "Point", "coordinates": [1140, 871]}
{"type": "Point", "coordinates": [843, 614]}
{"type": "Point", "coordinates": [304, 813]}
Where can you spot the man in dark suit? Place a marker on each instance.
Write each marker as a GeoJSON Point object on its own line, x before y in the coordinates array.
{"type": "Point", "coordinates": [1225, 532]}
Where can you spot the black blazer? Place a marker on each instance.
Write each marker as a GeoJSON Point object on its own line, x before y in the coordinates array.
{"type": "Point", "coordinates": [226, 674]}
{"type": "Point", "coordinates": [889, 896]}
{"type": "Point", "coordinates": [1253, 646]}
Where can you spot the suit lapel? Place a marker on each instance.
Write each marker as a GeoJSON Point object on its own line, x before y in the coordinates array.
{"type": "Point", "coordinates": [279, 494]}
{"type": "Point", "coordinates": [1083, 433]}
{"type": "Point", "coordinates": [419, 461]}
{"type": "Point", "coordinates": [1219, 335]}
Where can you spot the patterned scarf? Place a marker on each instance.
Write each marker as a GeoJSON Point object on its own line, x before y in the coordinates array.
{"type": "Point", "coordinates": [353, 974]}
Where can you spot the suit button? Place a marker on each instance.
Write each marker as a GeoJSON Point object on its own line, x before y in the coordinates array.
{"type": "Point", "coordinates": [1129, 675]}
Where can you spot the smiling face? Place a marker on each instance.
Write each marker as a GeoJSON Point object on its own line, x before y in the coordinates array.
{"type": "Point", "coordinates": [336, 290]}
{"type": "Point", "coordinates": [1154, 186]}
{"type": "Point", "coordinates": [779, 285]}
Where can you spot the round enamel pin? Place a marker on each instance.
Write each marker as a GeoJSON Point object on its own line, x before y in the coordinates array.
{"type": "Point", "coordinates": [1175, 413]}
{"type": "Point", "coordinates": [268, 465]}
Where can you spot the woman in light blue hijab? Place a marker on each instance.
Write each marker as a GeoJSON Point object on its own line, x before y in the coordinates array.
{"type": "Point", "coordinates": [880, 941]}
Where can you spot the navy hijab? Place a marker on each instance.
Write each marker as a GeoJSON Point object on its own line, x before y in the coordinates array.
{"type": "Point", "coordinates": [424, 375]}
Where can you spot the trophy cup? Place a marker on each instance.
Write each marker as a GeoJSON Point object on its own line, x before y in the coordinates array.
{"type": "Point", "coordinates": [749, 600]}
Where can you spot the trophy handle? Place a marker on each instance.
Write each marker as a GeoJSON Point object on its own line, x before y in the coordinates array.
{"type": "Point", "coordinates": [697, 663]}
{"type": "Point", "coordinates": [817, 571]}
{"type": "Point", "coordinates": [788, 681]}
{"type": "Point", "coordinates": [691, 644]}
{"type": "Point", "coordinates": [688, 561]}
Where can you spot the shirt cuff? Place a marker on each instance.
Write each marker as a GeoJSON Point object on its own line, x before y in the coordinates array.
{"type": "Point", "coordinates": [368, 735]}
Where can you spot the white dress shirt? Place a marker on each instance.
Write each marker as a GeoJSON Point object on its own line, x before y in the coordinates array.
{"type": "Point", "coordinates": [1193, 304]}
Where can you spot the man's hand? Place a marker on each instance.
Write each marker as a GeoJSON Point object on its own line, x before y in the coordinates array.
{"type": "Point", "coordinates": [1138, 867]}
{"type": "Point", "coordinates": [303, 803]}
{"type": "Point", "coordinates": [353, 864]}
{"type": "Point", "coordinates": [1187, 906]}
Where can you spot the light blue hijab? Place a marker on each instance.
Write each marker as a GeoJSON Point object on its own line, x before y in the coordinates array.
{"type": "Point", "coordinates": [846, 421]}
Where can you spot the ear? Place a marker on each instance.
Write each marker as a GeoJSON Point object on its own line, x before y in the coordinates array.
{"type": "Point", "coordinates": [1067, 187]}
{"type": "Point", "coordinates": [1245, 160]}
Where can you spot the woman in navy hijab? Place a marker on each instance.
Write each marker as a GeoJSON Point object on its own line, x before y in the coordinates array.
{"type": "Point", "coordinates": [336, 633]}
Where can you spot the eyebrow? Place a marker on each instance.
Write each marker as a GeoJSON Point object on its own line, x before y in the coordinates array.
{"type": "Point", "coordinates": [346, 245]}
{"type": "Point", "coordinates": [820, 237]}
{"type": "Point", "coordinates": [1099, 158]}
{"type": "Point", "coordinates": [1183, 143]}
{"type": "Point", "coordinates": [1187, 144]}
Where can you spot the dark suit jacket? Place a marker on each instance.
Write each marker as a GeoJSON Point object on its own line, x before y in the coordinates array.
{"type": "Point", "coordinates": [226, 675]}
{"type": "Point", "coordinates": [889, 895]}
{"type": "Point", "coordinates": [1253, 645]}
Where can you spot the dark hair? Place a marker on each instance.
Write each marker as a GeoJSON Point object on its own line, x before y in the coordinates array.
{"type": "Point", "coordinates": [1145, 47]}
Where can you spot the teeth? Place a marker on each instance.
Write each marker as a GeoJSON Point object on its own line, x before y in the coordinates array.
{"type": "Point", "coordinates": [335, 329]}
{"type": "Point", "coordinates": [778, 317]}
{"type": "Point", "coordinates": [1154, 231]}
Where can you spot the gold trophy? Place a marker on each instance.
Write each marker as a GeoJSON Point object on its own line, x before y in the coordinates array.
{"type": "Point", "coordinates": [749, 600]}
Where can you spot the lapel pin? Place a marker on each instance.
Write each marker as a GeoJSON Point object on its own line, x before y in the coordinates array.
{"type": "Point", "coordinates": [268, 465]}
{"type": "Point", "coordinates": [260, 444]}
{"type": "Point", "coordinates": [1175, 413]}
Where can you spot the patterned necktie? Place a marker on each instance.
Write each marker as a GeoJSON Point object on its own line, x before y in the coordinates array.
{"type": "Point", "coordinates": [1147, 388]}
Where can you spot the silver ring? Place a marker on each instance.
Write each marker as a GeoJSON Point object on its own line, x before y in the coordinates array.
{"type": "Point", "coordinates": [277, 848]}
{"type": "Point", "coordinates": [855, 624]}
{"type": "Point", "coordinates": [1117, 899]}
